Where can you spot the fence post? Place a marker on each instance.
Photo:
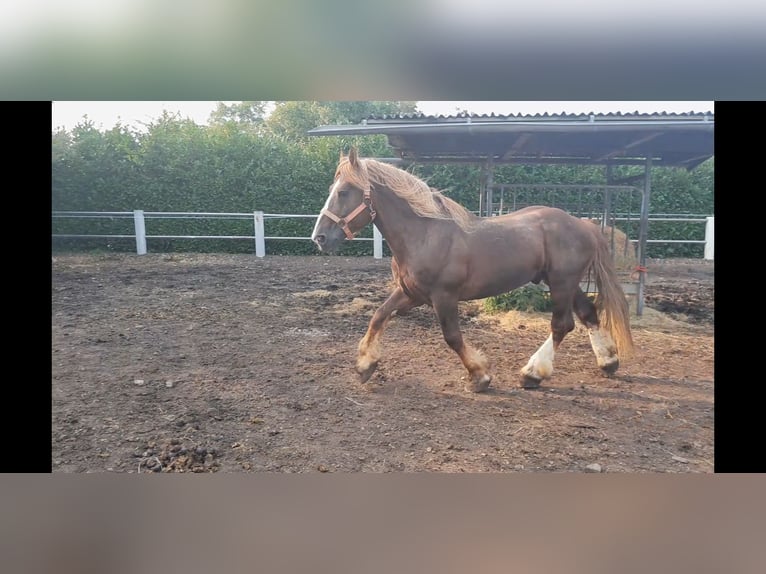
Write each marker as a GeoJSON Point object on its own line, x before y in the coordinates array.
{"type": "Point", "coordinates": [709, 247]}
{"type": "Point", "coordinates": [138, 220]}
{"type": "Point", "coordinates": [377, 243]}
{"type": "Point", "coordinates": [260, 244]}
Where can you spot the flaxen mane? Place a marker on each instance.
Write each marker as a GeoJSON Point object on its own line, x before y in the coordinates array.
{"type": "Point", "coordinates": [422, 199]}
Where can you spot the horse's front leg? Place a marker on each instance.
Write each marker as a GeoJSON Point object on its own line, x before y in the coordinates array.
{"type": "Point", "coordinates": [369, 346]}
{"type": "Point", "coordinates": [473, 360]}
{"type": "Point", "coordinates": [540, 365]}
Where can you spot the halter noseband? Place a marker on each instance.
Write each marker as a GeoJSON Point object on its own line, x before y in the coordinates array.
{"type": "Point", "coordinates": [344, 221]}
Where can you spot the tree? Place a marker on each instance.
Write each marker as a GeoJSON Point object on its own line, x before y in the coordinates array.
{"type": "Point", "coordinates": [245, 113]}
{"type": "Point", "coordinates": [61, 141]}
{"type": "Point", "coordinates": [292, 120]}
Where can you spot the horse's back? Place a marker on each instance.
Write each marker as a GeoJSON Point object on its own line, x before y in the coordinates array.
{"type": "Point", "coordinates": [549, 220]}
{"type": "Point", "coordinates": [545, 212]}
{"type": "Point", "coordinates": [566, 242]}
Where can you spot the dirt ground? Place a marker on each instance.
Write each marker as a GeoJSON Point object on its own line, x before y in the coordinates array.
{"type": "Point", "coordinates": [230, 363]}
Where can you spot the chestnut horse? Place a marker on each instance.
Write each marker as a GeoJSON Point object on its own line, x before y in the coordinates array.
{"type": "Point", "coordinates": [443, 254]}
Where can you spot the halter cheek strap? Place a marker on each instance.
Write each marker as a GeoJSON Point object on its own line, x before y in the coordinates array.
{"type": "Point", "coordinates": [344, 221]}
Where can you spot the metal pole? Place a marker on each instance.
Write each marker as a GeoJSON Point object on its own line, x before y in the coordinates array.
{"type": "Point", "coordinates": [140, 225]}
{"type": "Point", "coordinates": [643, 234]}
{"type": "Point", "coordinates": [482, 188]}
{"type": "Point", "coordinates": [608, 210]}
{"type": "Point", "coordinates": [260, 244]}
{"type": "Point", "coordinates": [607, 196]}
{"type": "Point", "coordinates": [490, 183]}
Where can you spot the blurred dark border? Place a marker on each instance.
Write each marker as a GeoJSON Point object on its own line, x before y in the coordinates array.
{"type": "Point", "coordinates": [422, 50]}
{"type": "Point", "coordinates": [371, 523]}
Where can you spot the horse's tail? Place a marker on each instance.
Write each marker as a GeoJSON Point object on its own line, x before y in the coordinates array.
{"type": "Point", "coordinates": [611, 304]}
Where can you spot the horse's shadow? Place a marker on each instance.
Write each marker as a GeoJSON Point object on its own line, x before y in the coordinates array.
{"type": "Point", "coordinates": [390, 385]}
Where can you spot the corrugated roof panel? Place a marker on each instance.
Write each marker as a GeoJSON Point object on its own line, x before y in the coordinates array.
{"type": "Point", "coordinates": [546, 115]}
{"type": "Point", "coordinates": [680, 139]}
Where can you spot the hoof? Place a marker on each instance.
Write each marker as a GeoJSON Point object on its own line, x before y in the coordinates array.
{"type": "Point", "coordinates": [366, 372]}
{"type": "Point", "coordinates": [610, 368]}
{"type": "Point", "coordinates": [480, 385]}
{"type": "Point", "coordinates": [528, 382]}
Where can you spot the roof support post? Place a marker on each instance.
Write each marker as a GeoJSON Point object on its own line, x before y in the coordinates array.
{"type": "Point", "coordinates": [643, 234]}
{"type": "Point", "coordinates": [482, 188]}
{"type": "Point", "coordinates": [489, 176]}
{"type": "Point", "coordinates": [606, 217]}
{"type": "Point", "coordinates": [607, 194]}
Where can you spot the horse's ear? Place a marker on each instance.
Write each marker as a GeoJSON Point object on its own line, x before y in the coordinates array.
{"type": "Point", "coordinates": [353, 157]}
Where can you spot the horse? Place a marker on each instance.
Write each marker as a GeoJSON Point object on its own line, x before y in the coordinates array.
{"type": "Point", "coordinates": [443, 254]}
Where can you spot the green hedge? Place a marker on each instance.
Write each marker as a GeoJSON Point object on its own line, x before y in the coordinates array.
{"type": "Point", "coordinates": [176, 165]}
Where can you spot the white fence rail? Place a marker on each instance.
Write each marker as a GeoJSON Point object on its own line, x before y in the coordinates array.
{"type": "Point", "coordinates": [139, 218]}
{"type": "Point", "coordinates": [260, 237]}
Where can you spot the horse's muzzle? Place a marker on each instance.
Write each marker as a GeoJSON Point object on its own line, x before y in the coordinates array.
{"type": "Point", "coordinates": [325, 244]}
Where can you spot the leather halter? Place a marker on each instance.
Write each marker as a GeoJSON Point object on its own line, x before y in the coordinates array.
{"type": "Point", "coordinates": [344, 221]}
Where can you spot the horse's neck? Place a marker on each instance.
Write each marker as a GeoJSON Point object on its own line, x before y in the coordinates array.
{"type": "Point", "coordinates": [402, 228]}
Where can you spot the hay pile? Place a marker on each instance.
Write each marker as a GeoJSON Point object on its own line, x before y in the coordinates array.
{"type": "Point", "coordinates": [625, 258]}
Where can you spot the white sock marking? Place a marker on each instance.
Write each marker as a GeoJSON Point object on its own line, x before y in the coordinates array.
{"type": "Point", "coordinates": [540, 365]}
{"type": "Point", "coordinates": [603, 346]}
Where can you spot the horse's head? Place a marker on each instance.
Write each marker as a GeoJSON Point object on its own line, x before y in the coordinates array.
{"type": "Point", "coordinates": [348, 207]}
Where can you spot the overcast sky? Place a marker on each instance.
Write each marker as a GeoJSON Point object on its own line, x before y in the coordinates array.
{"type": "Point", "coordinates": [106, 114]}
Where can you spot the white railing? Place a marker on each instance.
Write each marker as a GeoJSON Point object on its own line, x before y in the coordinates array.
{"type": "Point", "coordinates": [709, 222]}
{"type": "Point", "coordinates": [259, 235]}
{"type": "Point", "coordinates": [140, 217]}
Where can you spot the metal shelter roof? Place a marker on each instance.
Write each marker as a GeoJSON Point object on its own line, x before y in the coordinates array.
{"type": "Point", "coordinates": [678, 140]}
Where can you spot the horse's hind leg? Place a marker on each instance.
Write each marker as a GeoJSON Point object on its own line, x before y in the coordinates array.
{"type": "Point", "coordinates": [540, 365]}
{"type": "Point", "coordinates": [473, 360]}
{"type": "Point", "coordinates": [369, 347]}
{"type": "Point", "coordinates": [600, 339]}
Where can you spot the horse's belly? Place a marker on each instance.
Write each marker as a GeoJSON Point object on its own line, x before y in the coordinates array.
{"type": "Point", "coordinates": [489, 284]}
{"type": "Point", "coordinates": [413, 290]}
